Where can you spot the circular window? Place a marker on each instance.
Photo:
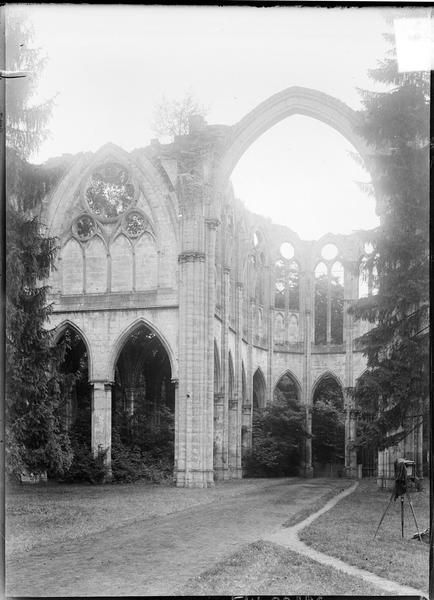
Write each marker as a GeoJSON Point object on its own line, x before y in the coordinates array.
{"type": "Point", "coordinates": [135, 224]}
{"type": "Point", "coordinates": [369, 248]}
{"type": "Point", "coordinates": [110, 193]}
{"type": "Point", "coordinates": [84, 227]}
{"type": "Point", "coordinates": [287, 250]}
{"type": "Point", "coordinates": [329, 251]}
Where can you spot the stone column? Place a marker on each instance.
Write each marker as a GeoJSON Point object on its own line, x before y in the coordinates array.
{"type": "Point", "coordinates": [212, 225]}
{"type": "Point", "coordinates": [218, 435]}
{"type": "Point", "coordinates": [224, 473]}
{"type": "Point", "coordinates": [237, 417]}
{"type": "Point", "coordinates": [102, 418]}
{"type": "Point", "coordinates": [191, 468]}
{"type": "Point", "coordinates": [193, 456]}
{"type": "Point", "coordinates": [306, 279]}
{"type": "Point", "coordinates": [350, 294]}
{"type": "Point", "coordinates": [175, 383]}
{"type": "Point", "coordinates": [269, 314]}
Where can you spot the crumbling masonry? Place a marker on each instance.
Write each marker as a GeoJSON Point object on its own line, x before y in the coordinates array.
{"type": "Point", "coordinates": [154, 240]}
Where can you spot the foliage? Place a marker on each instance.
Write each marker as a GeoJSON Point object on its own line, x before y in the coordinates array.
{"type": "Point", "coordinates": [85, 467]}
{"type": "Point", "coordinates": [278, 436]}
{"type": "Point", "coordinates": [172, 117]}
{"type": "Point", "coordinates": [26, 120]}
{"type": "Point", "coordinates": [396, 128]}
{"type": "Point", "coordinates": [37, 440]}
{"type": "Point", "coordinates": [36, 437]}
{"type": "Point", "coordinates": [142, 445]}
{"type": "Point", "coordinates": [328, 425]}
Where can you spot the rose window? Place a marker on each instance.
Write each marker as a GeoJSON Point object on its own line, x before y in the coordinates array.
{"type": "Point", "coordinates": [85, 227]}
{"type": "Point", "coordinates": [135, 224]}
{"type": "Point", "coordinates": [110, 192]}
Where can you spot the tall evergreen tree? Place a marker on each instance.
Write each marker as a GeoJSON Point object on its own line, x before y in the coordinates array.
{"type": "Point", "coordinates": [36, 440]}
{"type": "Point", "coordinates": [396, 128]}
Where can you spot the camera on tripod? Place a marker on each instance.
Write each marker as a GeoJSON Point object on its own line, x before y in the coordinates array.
{"type": "Point", "coordinates": [405, 471]}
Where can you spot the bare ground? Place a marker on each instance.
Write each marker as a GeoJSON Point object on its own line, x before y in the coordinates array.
{"type": "Point", "coordinates": [154, 551]}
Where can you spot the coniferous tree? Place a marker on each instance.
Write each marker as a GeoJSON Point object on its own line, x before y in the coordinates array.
{"type": "Point", "coordinates": [36, 438]}
{"type": "Point", "coordinates": [396, 128]}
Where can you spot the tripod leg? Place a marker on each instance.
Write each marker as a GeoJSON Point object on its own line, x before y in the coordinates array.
{"type": "Point", "coordinates": [414, 516]}
{"type": "Point", "coordinates": [384, 514]}
{"type": "Point", "coordinates": [402, 516]}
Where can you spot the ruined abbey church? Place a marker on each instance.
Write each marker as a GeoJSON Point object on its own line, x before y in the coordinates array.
{"type": "Point", "coordinates": [182, 297]}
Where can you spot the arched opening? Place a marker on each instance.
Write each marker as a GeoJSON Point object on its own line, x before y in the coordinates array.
{"type": "Point", "coordinates": [216, 370]}
{"type": "Point", "coordinates": [328, 428]}
{"type": "Point", "coordinates": [230, 379]}
{"type": "Point", "coordinates": [143, 404]}
{"type": "Point", "coordinates": [78, 395]}
{"type": "Point", "coordinates": [287, 389]}
{"type": "Point", "coordinates": [259, 389]}
{"type": "Point", "coordinates": [329, 303]}
{"type": "Point", "coordinates": [332, 195]}
{"type": "Point", "coordinates": [367, 454]}
{"type": "Point", "coordinates": [321, 303]}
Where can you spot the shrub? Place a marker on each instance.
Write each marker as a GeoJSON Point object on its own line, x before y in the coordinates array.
{"type": "Point", "coordinates": [278, 438]}
{"type": "Point", "coordinates": [86, 467]}
{"type": "Point", "coordinates": [131, 464]}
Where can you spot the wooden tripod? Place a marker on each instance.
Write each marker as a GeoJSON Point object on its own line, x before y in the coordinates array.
{"type": "Point", "coordinates": [402, 513]}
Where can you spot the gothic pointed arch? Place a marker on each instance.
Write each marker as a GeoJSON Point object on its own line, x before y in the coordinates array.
{"type": "Point", "coordinates": [288, 384]}
{"type": "Point", "coordinates": [122, 338]}
{"type": "Point", "coordinates": [291, 101]}
{"type": "Point", "coordinates": [259, 390]}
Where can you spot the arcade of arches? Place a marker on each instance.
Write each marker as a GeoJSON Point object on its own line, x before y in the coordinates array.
{"type": "Point", "coordinates": [181, 299]}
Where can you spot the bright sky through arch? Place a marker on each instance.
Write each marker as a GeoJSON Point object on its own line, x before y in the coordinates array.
{"type": "Point", "coordinates": [110, 65]}
{"type": "Point", "coordinates": [303, 173]}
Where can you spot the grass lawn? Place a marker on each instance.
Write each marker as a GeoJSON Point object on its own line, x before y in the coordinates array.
{"type": "Point", "coordinates": [47, 513]}
{"type": "Point", "coordinates": [347, 531]}
{"type": "Point", "coordinates": [266, 568]}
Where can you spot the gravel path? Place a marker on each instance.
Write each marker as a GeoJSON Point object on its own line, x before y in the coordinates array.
{"type": "Point", "coordinates": [156, 556]}
{"type": "Point", "coordinates": [289, 538]}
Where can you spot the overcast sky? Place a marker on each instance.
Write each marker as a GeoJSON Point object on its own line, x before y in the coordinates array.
{"type": "Point", "coordinates": [110, 65]}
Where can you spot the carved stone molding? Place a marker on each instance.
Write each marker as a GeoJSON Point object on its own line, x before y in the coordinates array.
{"type": "Point", "coordinates": [218, 398]}
{"type": "Point", "coordinates": [212, 223]}
{"type": "Point", "coordinates": [191, 257]}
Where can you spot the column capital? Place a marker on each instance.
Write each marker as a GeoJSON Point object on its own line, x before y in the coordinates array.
{"type": "Point", "coordinates": [240, 285]}
{"type": "Point", "coordinates": [191, 256]}
{"type": "Point", "coordinates": [212, 223]}
{"type": "Point", "coordinates": [101, 384]}
{"type": "Point", "coordinates": [226, 269]}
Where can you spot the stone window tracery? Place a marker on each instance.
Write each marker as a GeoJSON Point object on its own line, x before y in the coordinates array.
{"type": "Point", "coordinates": [135, 224]}
{"type": "Point", "coordinates": [329, 303]}
{"type": "Point", "coordinates": [84, 227]}
{"type": "Point", "coordinates": [110, 192]}
{"type": "Point", "coordinates": [287, 289]}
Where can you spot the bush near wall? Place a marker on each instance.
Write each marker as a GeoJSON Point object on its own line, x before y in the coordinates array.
{"type": "Point", "coordinates": [278, 437]}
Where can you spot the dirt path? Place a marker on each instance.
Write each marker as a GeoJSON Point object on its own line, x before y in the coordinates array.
{"type": "Point", "coordinates": [157, 556]}
{"type": "Point", "coordinates": [289, 538]}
